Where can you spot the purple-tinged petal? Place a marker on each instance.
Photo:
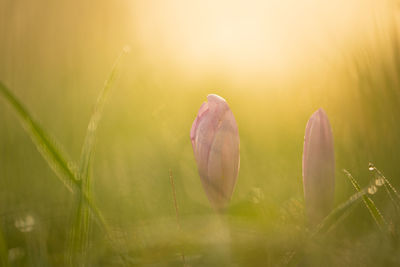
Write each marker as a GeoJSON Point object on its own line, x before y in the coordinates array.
{"type": "Point", "coordinates": [215, 142]}
{"type": "Point", "coordinates": [202, 110]}
{"type": "Point", "coordinates": [223, 164]}
{"type": "Point", "coordinates": [318, 167]}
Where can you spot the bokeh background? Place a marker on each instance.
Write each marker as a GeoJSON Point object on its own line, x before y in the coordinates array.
{"type": "Point", "coordinates": [275, 62]}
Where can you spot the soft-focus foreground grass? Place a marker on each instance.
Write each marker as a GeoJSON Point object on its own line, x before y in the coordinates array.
{"type": "Point", "coordinates": [55, 58]}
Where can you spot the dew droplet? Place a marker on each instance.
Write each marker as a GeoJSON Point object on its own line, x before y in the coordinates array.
{"type": "Point", "coordinates": [379, 181]}
{"type": "Point", "coordinates": [72, 166]}
{"type": "Point", "coordinates": [256, 195]}
{"type": "Point", "coordinates": [92, 126]}
{"type": "Point", "coordinates": [372, 189]}
{"type": "Point", "coordinates": [371, 167]}
{"type": "Point", "coordinates": [25, 224]}
{"type": "Point", "coordinates": [127, 49]}
{"type": "Point", "coordinates": [15, 254]}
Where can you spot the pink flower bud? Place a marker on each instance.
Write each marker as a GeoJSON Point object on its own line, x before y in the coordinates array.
{"type": "Point", "coordinates": [215, 141]}
{"type": "Point", "coordinates": [318, 167]}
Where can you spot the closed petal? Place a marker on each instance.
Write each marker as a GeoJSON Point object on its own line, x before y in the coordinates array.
{"type": "Point", "coordinates": [203, 140]}
{"type": "Point", "coordinates": [318, 167]}
{"type": "Point", "coordinates": [215, 140]}
{"type": "Point", "coordinates": [205, 128]}
{"type": "Point", "coordinates": [223, 164]}
{"type": "Point", "coordinates": [202, 110]}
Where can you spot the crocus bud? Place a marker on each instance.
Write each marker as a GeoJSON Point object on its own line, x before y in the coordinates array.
{"type": "Point", "coordinates": [318, 167]}
{"type": "Point", "coordinates": [215, 141]}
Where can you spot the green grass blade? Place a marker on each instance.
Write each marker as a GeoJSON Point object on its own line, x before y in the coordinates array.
{"type": "Point", "coordinates": [394, 202]}
{"type": "Point", "coordinates": [54, 157]}
{"type": "Point", "coordinates": [88, 146]}
{"type": "Point", "coordinates": [328, 224]}
{"type": "Point", "coordinates": [389, 188]}
{"type": "Point", "coordinates": [47, 146]}
{"type": "Point", "coordinates": [369, 203]}
{"type": "Point", "coordinates": [80, 234]}
{"type": "Point", "coordinates": [386, 182]}
{"type": "Point", "coordinates": [341, 218]}
{"type": "Point", "coordinates": [336, 214]}
{"type": "Point", "coordinates": [3, 250]}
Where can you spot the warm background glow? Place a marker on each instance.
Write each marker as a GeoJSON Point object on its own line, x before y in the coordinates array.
{"type": "Point", "coordinates": [244, 40]}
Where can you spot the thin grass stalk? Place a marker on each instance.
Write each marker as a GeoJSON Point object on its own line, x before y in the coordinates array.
{"type": "Point", "coordinates": [331, 220]}
{"type": "Point", "coordinates": [390, 194]}
{"type": "Point", "coordinates": [47, 146]}
{"type": "Point", "coordinates": [80, 234]}
{"type": "Point", "coordinates": [54, 157]}
{"type": "Point", "coordinates": [171, 178]}
{"type": "Point", "coordinates": [369, 203]}
{"type": "Point", "coordinates": [387, 182]}
{"type": "Point", "coordinates": [335, 213]}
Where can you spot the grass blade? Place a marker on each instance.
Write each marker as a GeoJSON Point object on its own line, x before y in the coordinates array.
{"type": "Point", "coordinates": [389, 188]}
{"type": "Point", "coordinates": [369, 203]}
{"type": "Point", "coordinates": [80, 234]}
{"type": "Point", "coordinates": [341, 218]}
{"type": "Point", "coordinates": [87, 152]}
{"type": "Point", "coordinates": [47, 146]}
{"type": "Point", "coordinates": [171, 178]}
{"type": "Point", "coordinates": [386, 181]}
{"type": "Point", "coordinates": [337, 212]}
{"type": "Point", "coordinates": [328, 224]}
{"type": "Point", "coordinates": [54, 157]}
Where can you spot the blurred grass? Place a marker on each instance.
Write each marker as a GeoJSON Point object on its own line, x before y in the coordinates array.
{"type": "Point", "coordinates": [55, 57]}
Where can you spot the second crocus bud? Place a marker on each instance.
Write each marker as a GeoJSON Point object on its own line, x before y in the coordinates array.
{"type": "Point", "coordinates": [318, 167]}
{"type": "Point", "coordinates": [215, 141]}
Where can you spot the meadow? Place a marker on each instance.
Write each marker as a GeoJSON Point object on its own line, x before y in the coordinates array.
{"type": "Point", "coordinates": [97, 100]}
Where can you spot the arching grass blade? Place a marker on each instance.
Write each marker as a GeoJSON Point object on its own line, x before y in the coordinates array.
{"type": "Point", "coordinates": [369, 203]}
{"type": "Point", "coordinates": [386, 182]}
{"type": "Point", "coordinates": [50, 150]}
{"type": "Point", "coordinates": [328, 223]}
{"type": "Point", "coordinates": [54, 157]}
